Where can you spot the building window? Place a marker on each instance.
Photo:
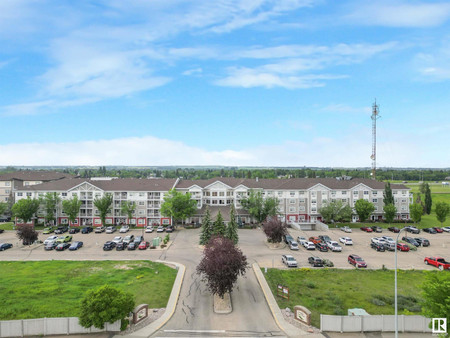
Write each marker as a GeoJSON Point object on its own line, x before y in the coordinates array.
{"type": "Point", "coordinates": [324, 193]}
{"type": "Point", "coordinates": [403, 208]}
{"type": "Point", "coordinates": [141, 194]}
{"type": "Point", "coordinates": [291, 209]}
{"type": "Point", "coordinates": [292, 201]}
{"type": "Point", "coordinates": [27, 183]}
{"type": "Point", "coordinates": [301, 192]}
{"type": "Point", "coordinates": [301, 200]}
{"type": "Point", "coordinates": [376, 208]}
{"type": "Point", "coordinates": [375, 200]}
{"type": "Point", "coordinates": [19, 194]}
{"type": "Point", "coordinates": [302, 208]}
{"type": "Point", "coordinates": [344, 192]}
{"type": "Point", "coordinates": [375, 193]}
{"type": "Point", "coordinates": [313, 201]}
{"type": "Point", "coordinates": [344, 200]}
{"type": "Point", "coordinates": [141, 203]}
{"type": "Point", "coordinates": [7, 184]}
{"type": "Point", "coordinates": [394, 193]}
{"type": "Point", "coordinates": [355, 192]}
{"type": "Point", "coordinates": [222, 193]}
{"type": "Point", "coordinates": [292, 193]}
{"type": "Point", "coordinates": [7, 191]}
{"type": "Point", "coordinates": [404, 200]}
{"type": "Point", "coordinates": [403, 192]}
{"type": "Point", "coordinates": [313, 194]}
{"type": "Point", "coordinates": [28, 194]}
{"type": "Point", "coordinates": [214, 193]}
{"type": "Point", "coordinates": [280, 194]}
{"type": "Point", "coordinates": [314, 209]}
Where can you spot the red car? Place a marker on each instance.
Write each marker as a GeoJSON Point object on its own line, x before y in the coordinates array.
{"type": "Point", "coordinates": [366, 229]}
{"type": "Point", "coordinates": [315, 240]}
{"type": "Point", "coordinates": [402, 247]}
{"type": "Point", "coordinates": [144, 245]}
{"type": "Point", "coordinates": [357, 261]}
{"type": "Point", "coordinates": [438, 230]}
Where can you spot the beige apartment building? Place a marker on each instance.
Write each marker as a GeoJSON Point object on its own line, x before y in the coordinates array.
{"type": "Point", "coordinates": [300, 199]}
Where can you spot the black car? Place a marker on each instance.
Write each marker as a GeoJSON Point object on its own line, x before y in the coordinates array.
{"type": "Point", "coordinates": [325, 238]}
{"type": "Point", "coordinates": [138, 239]}
{"type": "Point", "coordinates": [61, 230]}
{"type": "Point", "coordinates": [87, 230]}
{"type": "Point", "coordinates": [394, 229]}
{"type": "Point", "coordinates": [62, 246]}
{"type": "Point", "coordinates": [321, 247]}
{"type": "Point", "coordinates": [376, 229]}
{"type": "Point", "coordinates": [410, 240]}
{"type": "Point", "coordinates": [288, 239]}
{"type": "Point", "coordinates": [75, 246]}
{"type": "Point", "coordinates": [5, 219]}
{"type": "Point", "coordinates": [169, 228]}
{"type": "Point", "coordinates": [377, 246]}
{"type": "Point", "coordinates": [74, 230]}
{"type": "Point", "coordinates": [430, 230]}
{"type": "Point", "coordinates": [121, 246]}
{"type": "Point", "coordinates": [132, 246]}
{"type": "Point", "coordinates": [1, 231]}
{"type": "Point", "coordinates": [108, 246]}
{"type": "Point", "coordinates": [4, 246]}
{"type": "Point", "coordinates": [315, 261]}
{"type": "Point", "coordinates": [422, 241]}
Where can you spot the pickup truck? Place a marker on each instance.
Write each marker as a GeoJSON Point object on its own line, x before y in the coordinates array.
{"type": "Point", "coordinates": [438, 262]}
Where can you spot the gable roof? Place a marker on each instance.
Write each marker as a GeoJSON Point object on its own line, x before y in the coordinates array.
{"type": "Point", "coordinates": [34, 175]}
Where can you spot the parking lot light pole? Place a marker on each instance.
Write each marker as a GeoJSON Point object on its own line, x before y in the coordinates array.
{"type": "Point", "coordinates": [395, 295]}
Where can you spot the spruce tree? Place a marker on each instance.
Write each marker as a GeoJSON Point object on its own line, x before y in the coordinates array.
{"type": "Point", "coordinates": [206, 232]}
{"type": "Point", "coordinates": [219, 226]}
{"type": "Point", "coordinates": [388, 196]}
{"type": "Point", "coordinates": [231, 230]}
{"type": "Point", "coordinates": [428, 201]}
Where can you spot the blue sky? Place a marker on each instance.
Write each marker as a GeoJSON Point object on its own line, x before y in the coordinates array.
{"type": "Point", "coordinates": [249, 83]}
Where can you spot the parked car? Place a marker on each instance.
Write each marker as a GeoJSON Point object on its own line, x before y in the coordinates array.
{"type": "Point", "coordinates": [74, 230]}
{"type": "Point", "coordinates": [124, 229]}
{"type": "Point", "coordinates": [5, 219]}
{"type": "Point", "coordinates": [48, 230]}
{"type": "Point", "coordinates": [75, 245]}
{"type": "Point", "coordinates": [357, 261]}
{"type": "Point", "coordinates": [62, 246]}
{"type": "Point", "coordinates": [61, 230]}
{"type": "Point", "coordinates": [378, 240]}
{"type": "Point", "coordinates": [446, 229]}
{"type": "Point", "coordinates": [346, 240]}
{"type": "Point", "coordinates": [377, 246]}
{"type": "Point", "coordinates": [117, 239]}
{"type": "Point", "coordinates": [422, 241]}
{"type": "Point", "coordinates": [160, 229]}
{"type": "Point", "coordinates": [376, 228]}
{"type": "Point", "coordinates": [108, 246]}
{"type": "Point", "coordinates": [50, 239]}
{"type": "Point", "coordinates": [100, 229]}
{"type": "Point", "coordinates": [87, 230]}
{"type": "Point", "coordinates": [64, 239]}
{"type": "Point", "coordinates": [430, 230]}
{"type": "Point", "coordinates": [293, 245]}
{"type": "Point", "coordinates": [346, 229]}
{"type": "Point", "coordinates": [5, 246]}
{"type": "Point", "coordinates": [301, 240]}
{"type": "Point", "coordinates": [309, 246]}
{"type": "Point", "coordinates": [149, 229]}
{"type": "Point", "coordinates": [325, 238]}
{"type": "Point", "coordinates": [366, 229]}
{"type": "Point", "coordinates": [138, 239]}
{"type": "Point", "coordinates": [315, 261]}
{"type": "Point", "coordinates": [289, 261]}
{"type": "Point", "coordinates": [121, 246]}
{"type": "Point", "coordinates": [288, 239]}
{"type": "Point", "coordinates": [314, 239]}
{"type": "Point", "coordinates": [402, 247]}
{"type": "Point", "coordinates": [394, 229]}
{"type": "Point", "coordinates": [50, 245]}
{"type": "Point", "coordinates": [2, 231]}
{"type": "Point", "coordinates": [132, 246]}
{"type": "Point", "coordinates": [143, 245]}
{"type": "Point", "coordinates": [412, 229]}
{"type": "Point", "coordinates": [334, 246]}
{"type": "Point", "coordinates": [410, 240]}
{"type": "Point", "coordinates": [321, 247]}
{"type": "Point", "coordinates": [128, 239]}
{"type": "Point", "coordinates": [438, 230]}
{"type": "Point", "coordinates": [438, 262]}
{"type": "Point", "coordinates": [169, 228]}
{"type": "Point", "coordinates": [111, 229]}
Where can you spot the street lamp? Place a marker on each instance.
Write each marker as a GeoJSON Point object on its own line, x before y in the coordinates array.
{"type": "Point", "coordinates": [395, 295]}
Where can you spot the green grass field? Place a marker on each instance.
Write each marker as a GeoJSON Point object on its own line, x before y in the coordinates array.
{"type": "Point", "coordinates": [55, 288]}
{"type": "Point", "coordinates": [332, 291]}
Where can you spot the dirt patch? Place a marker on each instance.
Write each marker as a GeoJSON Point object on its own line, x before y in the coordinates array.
{"type": "Point", "coordinates": [123, 267]}
{"type": "Point", "coordinates": [275, 246]}
{"type": "Point", "coordinates": [223, 305]}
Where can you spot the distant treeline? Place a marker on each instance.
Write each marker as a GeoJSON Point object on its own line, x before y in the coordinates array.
{"type": "Point", "coordinates": [238, 172]}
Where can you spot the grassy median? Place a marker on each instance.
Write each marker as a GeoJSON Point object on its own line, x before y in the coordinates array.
{"type": "Point", "coordinates": [333, 291]}
{"type": "Point", "coordinates": [55, 288]}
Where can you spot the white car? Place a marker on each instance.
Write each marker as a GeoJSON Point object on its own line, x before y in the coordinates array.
{"type": "Point", "coordinates": [309, 246]}
{"type": "Point", "coordinates": [124, 228]}
{"type": "Point", "coordinates": [289, 261]}
{"type": "Point", "coordinates": [160, 229]}
{"type": "Point", "coordinates": [117, 239]}
{"type": "Point", "coordinates": [378, 240]}
{"type": "Point", "coordinates": [388, 239]}
{"type": "Point", "coordinates": [334, 246]}
{"type": "Point", "coordinates": [346, 240]}
{"type": "Point", "coordinates": [50, 239]}
{"type": "Point", "coordinates": [110, 229]}
{"type": "Point", "coordinates": [149, 229]}
{"type": "Point", "coordinates": [446, 229]}
{"type": "Point", "coordinates": [293, 245]}
{"type": "Point", "coordinates": [301, 240]}
{"type": "Point", "coordinates": [346, 229]}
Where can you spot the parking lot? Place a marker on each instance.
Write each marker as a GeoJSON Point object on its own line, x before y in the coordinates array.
{"type": "Point", "coordinates": [252, 242]}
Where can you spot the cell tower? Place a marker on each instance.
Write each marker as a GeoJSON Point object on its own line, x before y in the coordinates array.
{"type": "Point", "coordinates": [375, 116]}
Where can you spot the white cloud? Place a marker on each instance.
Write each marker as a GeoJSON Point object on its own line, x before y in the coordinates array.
{"type": "Point", "coordinates": [434, 66]}
{"type": "Point", "coordinates": [193, 71]}
{"type": "Point", "coordinates": [399, 13]}
{"type": "Point", "coordinates": [321, 151]}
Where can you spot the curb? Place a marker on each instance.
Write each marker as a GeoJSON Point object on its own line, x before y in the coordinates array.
{"type": "Point", "coordinates": [171, 305]}
{"type": "Point", "coordinates": [289, 329]}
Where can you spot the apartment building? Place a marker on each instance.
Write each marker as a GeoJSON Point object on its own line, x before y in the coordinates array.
{"type": "Point", "coordinates": [10, 182]}
{"type": "Point", "coordinates": [300, 199]}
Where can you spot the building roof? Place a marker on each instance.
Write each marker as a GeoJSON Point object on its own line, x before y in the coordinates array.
{"type": "Point", "coordinates": [119, 184]}
{"type": "Point", "coordinates": [288, 183]}
{"type": "Point", "coordinates": [34, 175]}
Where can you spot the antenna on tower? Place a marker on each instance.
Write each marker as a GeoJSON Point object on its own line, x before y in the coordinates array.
{"type": "Point", "coordinates": [375, 116]}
